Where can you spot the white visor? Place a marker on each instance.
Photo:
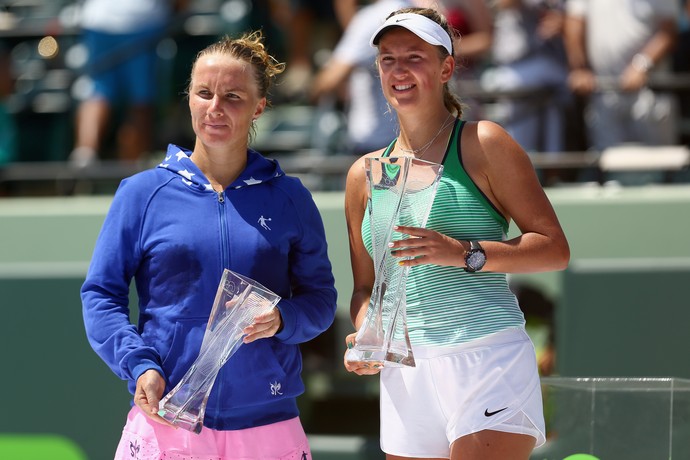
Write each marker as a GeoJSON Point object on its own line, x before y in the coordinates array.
{"type": "Point", "coordinates": [423, 27]}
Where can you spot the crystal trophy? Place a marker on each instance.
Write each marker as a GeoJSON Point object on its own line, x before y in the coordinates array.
{"type": "Point", "coordinates": [238, 301]}
{"type": "Point", "coordinates": [401, 191]}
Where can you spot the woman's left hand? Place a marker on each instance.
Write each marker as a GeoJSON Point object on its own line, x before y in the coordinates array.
{"type": "Point", "coordinates": [359, 367]}
{"type": "Point", "coordinates": [264, 325]}
{"type": "Point", "coordinates": [427, 247]}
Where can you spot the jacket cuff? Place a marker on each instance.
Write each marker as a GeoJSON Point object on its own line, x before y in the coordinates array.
{"type": "Point", "coordinates": [144, 366]}
{"type": "Point", "coordinates": [287, 314]}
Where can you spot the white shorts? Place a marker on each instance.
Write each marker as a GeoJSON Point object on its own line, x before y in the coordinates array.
{"type": "Point", "coordinates": [488, 384]}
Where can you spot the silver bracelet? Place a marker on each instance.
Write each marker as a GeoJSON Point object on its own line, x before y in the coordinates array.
{"type": "Point", "coordinates": [642, 62]}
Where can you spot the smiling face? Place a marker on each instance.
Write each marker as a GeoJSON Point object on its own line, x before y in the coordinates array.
{"type": "Point", "coordinates": [223, 101]}
{"type": "Point", "coordinates": [412, 71]}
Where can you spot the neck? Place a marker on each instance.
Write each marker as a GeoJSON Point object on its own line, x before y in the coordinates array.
{"type": "Point", "coordinates": [423, 136]}
{"type": "Point", "coordinates": [221, 168]}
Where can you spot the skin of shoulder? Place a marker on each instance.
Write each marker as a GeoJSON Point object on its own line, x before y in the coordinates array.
{"type": "Point", "coordinates": [505, 174]}
{"type": "Point", "coordinates": [498, 165]}
{"type": "Point", "coordinates": [355, 190]}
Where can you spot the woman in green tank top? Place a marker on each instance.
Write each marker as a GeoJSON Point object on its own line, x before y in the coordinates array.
{"type": "Point", "coordinates": [457, 293]}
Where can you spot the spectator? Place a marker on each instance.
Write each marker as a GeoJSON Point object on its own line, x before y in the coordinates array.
{"type": "Point", "coordinates": [528, 54]}
{"type": "Point", "coordinates": [472, 21]}
{"type": "Point", "coordinates": [370, 123]}
{"type": "Point", "coordinates": [120, 38]}
{"type": "Point", "coordinates": [612, 47]}
{"type": "Point", "coordinates": [309, 25]}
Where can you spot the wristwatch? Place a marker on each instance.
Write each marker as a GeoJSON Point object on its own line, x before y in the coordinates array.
{"type": "Point", "coordinates": [475, 257]}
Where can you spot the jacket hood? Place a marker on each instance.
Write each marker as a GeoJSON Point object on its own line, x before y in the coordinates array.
{"type": "Point", "coordinates": [258, 170]}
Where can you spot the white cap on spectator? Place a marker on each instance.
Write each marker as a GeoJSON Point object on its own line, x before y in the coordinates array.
{"type": "Point", "coordinates": [423, 27]}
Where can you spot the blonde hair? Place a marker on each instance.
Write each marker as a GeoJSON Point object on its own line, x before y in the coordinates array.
{"type": "Point", "coordinates": [450, 100]}
{"type": "Point", "coordinates": [249, 48]}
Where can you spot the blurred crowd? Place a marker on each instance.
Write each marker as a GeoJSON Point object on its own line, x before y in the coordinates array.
{"type": "Point", "coordinates": [90, 80]}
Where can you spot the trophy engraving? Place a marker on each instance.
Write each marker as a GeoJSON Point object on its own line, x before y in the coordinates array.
{"type": "Point", "coordinates": [238, 301]}
{"type": "Point", "coordinates": [401, 192]}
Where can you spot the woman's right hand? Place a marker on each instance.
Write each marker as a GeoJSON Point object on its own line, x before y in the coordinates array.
{"type": "Point", "coordinates": [149, 391]}
{"type": "Point", "coordinates": [359, 367]}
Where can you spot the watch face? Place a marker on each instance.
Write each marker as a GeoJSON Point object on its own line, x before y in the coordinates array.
{"type": "Point", "coordinates": [475, 259]}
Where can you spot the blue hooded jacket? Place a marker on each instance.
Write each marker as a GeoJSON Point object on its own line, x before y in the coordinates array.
{"type": "Point", "coordinates": [174, 235]}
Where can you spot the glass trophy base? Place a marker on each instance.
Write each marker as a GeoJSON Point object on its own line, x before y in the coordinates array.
{"type": "Point", "coordinates": [387, 358]}
{"type": "Point", "coordinates": [182, 419]}
{"type": "Point", "coordinates": [185, 406]}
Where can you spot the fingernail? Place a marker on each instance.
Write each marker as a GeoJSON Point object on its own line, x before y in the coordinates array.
{"type": "Point", "coordinates": [349, 345]}
{"type": "Point", "coordinates": [390, 245]}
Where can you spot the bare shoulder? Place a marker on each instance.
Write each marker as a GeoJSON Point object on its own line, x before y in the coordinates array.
{"type": "Point", "coordinates": [490, 141]}
{"type": "Point", "coordinates": [496, 163]}
{"type": "Point", "coordinates": [355, 186]}
{"type": "Point", "coordinates": [356, 171]}
{"type": "Point", "coordinates": [488, 133]}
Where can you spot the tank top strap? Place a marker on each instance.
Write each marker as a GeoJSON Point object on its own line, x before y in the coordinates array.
{"type": "Point", "coordinates": [453, 151]}
{"type": "Point", "coordinates": [389, 149]}
{"type": "Point", "coordinates": [454, 167]}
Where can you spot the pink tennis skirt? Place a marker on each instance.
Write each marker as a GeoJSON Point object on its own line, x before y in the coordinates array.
{"type": "Point", "coordinates": [145, 439]}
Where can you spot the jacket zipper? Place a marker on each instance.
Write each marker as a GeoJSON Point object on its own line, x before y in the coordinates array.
{"type": "Point", "coordinates": [223, 229]}
{"type": "Point", "coordinates": [224, 244]}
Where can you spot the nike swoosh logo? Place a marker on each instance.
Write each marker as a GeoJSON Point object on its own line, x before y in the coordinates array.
{"type": "Point", "coordinates": [403, 19]}
{"type": "Point", "coordinates": [489, 414]}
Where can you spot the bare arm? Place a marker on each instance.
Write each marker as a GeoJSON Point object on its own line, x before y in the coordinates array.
{"type": "Point", "coordinates": [478, 42]}
{"type": "Point", "coordinates": [659, 46]}
{"type": "Point", "coordinates": [574, 37]}
{"type": "Point", "coordinates": [504, 173]}
{"type": "Point", "coordinates": [344, 11]}
{"type": "Point", "coordinates": [330, 78]}
{"type": "Point", "coordinates": [360, 260]}
{"type": "Point", "coordinates": [581, 79]}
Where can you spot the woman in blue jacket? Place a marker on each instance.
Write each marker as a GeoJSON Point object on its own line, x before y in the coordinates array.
{"type": "Point", "coordinates": [174, 229]}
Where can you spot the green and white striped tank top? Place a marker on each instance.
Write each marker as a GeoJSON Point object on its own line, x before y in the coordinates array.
{"type": "Point", "coordinates": [447, 306]}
